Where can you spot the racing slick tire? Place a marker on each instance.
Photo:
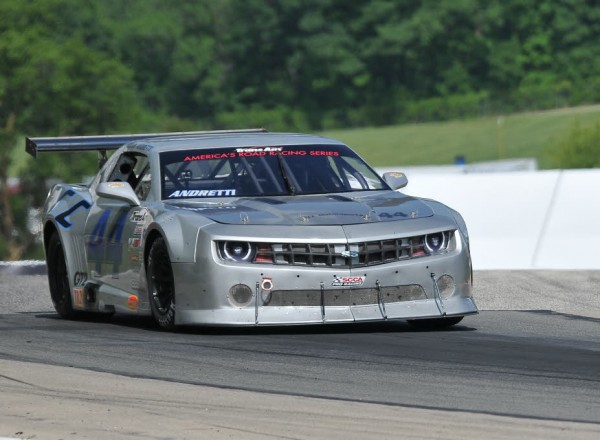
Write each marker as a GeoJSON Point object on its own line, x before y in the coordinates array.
{"type": "Point", "coordinates": [58, 278]}
{"type": "Point", "coordinates": [161, 287]}
{"type": "Point", "coordinates": [435, 323]}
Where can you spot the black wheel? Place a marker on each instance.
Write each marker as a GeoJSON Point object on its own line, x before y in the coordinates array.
{"type": "Point", "coordinates": [435, 323]}
{"type": "Point", "coordinates": [58, 278]}
{"type": "Point", "coordinates": [161, 288]}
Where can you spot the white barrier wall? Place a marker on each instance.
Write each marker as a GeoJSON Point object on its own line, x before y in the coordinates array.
{"type": "Point", "coordinates": [523, 220]}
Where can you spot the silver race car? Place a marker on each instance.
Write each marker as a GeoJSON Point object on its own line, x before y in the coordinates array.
{"type": "Point", "coordinates": [249, 228]}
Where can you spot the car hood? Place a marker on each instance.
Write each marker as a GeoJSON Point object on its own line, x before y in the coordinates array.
{"type": "Point", "coordinates": [315, 210]}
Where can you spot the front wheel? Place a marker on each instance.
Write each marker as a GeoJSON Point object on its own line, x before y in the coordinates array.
{"type": "Point", "coordinates": [435, 323]}
{"type": "Point", "coordinates": [161, 287]}
{"type": "Point", "coordinates": [58, 278]}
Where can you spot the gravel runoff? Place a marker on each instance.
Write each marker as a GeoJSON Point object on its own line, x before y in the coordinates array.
{"type": "Point", "coordinates": [569, 292]}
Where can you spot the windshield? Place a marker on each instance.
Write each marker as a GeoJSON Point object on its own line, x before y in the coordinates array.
{"type": "Point", "coordinates": [264, 171]}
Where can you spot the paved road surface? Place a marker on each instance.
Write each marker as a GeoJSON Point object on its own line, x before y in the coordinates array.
{"type": "Point", "coordinates": [527, 366]}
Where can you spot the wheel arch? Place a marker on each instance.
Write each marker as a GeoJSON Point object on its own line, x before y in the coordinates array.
{"type": "Point", "coordinates": [49, 229]}
{"type": "Point", "coordinates": [74, 258]}
{"type": "Point", "coordinates": [161, 301]}
{"type": "Point", "coordinates": [180, 233]}
{"type": "Point", "coordinates": [150, 239]}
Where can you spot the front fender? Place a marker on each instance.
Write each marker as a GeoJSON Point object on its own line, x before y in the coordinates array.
{"type": "Point", "coordinates": [65, 213]}
{"type": "Point", "coordinates": [181, 234]}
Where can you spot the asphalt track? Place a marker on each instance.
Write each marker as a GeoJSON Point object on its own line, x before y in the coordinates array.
{"type": "Point", "coordinates": [531, 357]}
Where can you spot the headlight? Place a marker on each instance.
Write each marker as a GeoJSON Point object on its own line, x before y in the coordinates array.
{"type": "Point", "coordinates": [435, 243]}
{"type": "Point", "coordinates": [239, 251]}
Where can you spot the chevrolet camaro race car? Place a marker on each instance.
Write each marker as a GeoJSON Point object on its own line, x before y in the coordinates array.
{"type": "Point", "coordinates": [249, 228]}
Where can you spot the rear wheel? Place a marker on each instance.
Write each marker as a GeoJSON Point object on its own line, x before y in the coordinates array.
{"type": "Point", "coordinates": [435, 323]}
{"type": "Point", "coordinates": [58, 277]}
{"type": "Point", "coordinates": [161, 287]}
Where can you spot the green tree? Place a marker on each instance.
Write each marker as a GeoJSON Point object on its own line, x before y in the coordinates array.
{"type": "Point", "coordinates": [53, 81]}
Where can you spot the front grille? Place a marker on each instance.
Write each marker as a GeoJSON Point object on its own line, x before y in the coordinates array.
{"type": "Point", "coordinates": [346, 255]}
{"type": "Point", "coordinates": [343, 297]}
{"type": "Point", "coordinates": [349, 255]}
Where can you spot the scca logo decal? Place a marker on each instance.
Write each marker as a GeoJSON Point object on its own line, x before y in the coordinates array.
{"type": "Point", "coordinates": [348, 281]}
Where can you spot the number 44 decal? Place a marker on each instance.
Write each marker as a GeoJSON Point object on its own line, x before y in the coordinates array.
{"type": "Point", "coordinates": [98, 234]}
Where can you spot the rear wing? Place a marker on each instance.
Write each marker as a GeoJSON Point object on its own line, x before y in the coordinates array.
{"type": "Point", "coordinates": [102, 144]}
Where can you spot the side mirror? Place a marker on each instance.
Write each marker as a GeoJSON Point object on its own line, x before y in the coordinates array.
{"type": "Point", "coordinates": [395, 180]}
{"type": "Point", "coordinates": [118, 191]}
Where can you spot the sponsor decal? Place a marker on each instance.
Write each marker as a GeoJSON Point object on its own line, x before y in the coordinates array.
{"type": "Point", "coordinates": [78, 295]}
{"type": "Point", "coordinates": [139, 215]}
{"type": "Point", "coordinates": [203, 193]}
{"type": "Point", "coordinates": [259, 152]}
{"type": "Point", "coordinates": [132, 302]}
{"type": "Point", "coordinates": [210, 156]}
{"type": "Point", "coordinates": [349, 254]}
{"type": "Point", "coordinates": [324, 153]}
{"type": "Point", "coordinates": [295, 153]}
{"type": "Point", "coordinates": [135, 242]}
{"type": "Point", "coordinates": [347, 281]}
{"type": "Point", "coordinates": [80, 278]}
{"type": "Point", "coordinates": [139, 230]}
{"type": "Point", "coordinates": [134, 258]}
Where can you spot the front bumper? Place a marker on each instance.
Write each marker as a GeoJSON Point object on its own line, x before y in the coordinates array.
{"type": "Point", "coordinates": [330, 315]}
{"type": "Point", "coordinates": [398, 290]}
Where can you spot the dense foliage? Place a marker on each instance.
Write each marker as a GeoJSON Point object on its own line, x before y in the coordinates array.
{"type": "Point", "coordinates": [317, 64]}
{"type": "Point", "coordinates": [78, 67]}
{"type": "Point", "coordinates": [299, 63]}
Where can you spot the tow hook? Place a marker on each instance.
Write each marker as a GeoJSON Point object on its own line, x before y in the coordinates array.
{"type": "Point", "coordinates": [436, 295]}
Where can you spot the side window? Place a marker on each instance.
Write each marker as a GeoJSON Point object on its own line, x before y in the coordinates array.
{"type": "Point", "coordinates": [123, 170]}
{"type": "Point", "coordinates": [356, 174]}
{"type": "Point", "coordinates": [133, 168]}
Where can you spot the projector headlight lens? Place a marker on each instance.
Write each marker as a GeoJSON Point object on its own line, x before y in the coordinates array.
{"type": "Point", "coordinates": [435, 243]}
{"type": "Point", "coordinates": [239, 251]}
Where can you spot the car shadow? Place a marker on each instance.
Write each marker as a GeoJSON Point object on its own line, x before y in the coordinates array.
{"type": "Point", "coordinates": [147, 323]}
{"type": "Point", "coordinates": [310, 329]}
